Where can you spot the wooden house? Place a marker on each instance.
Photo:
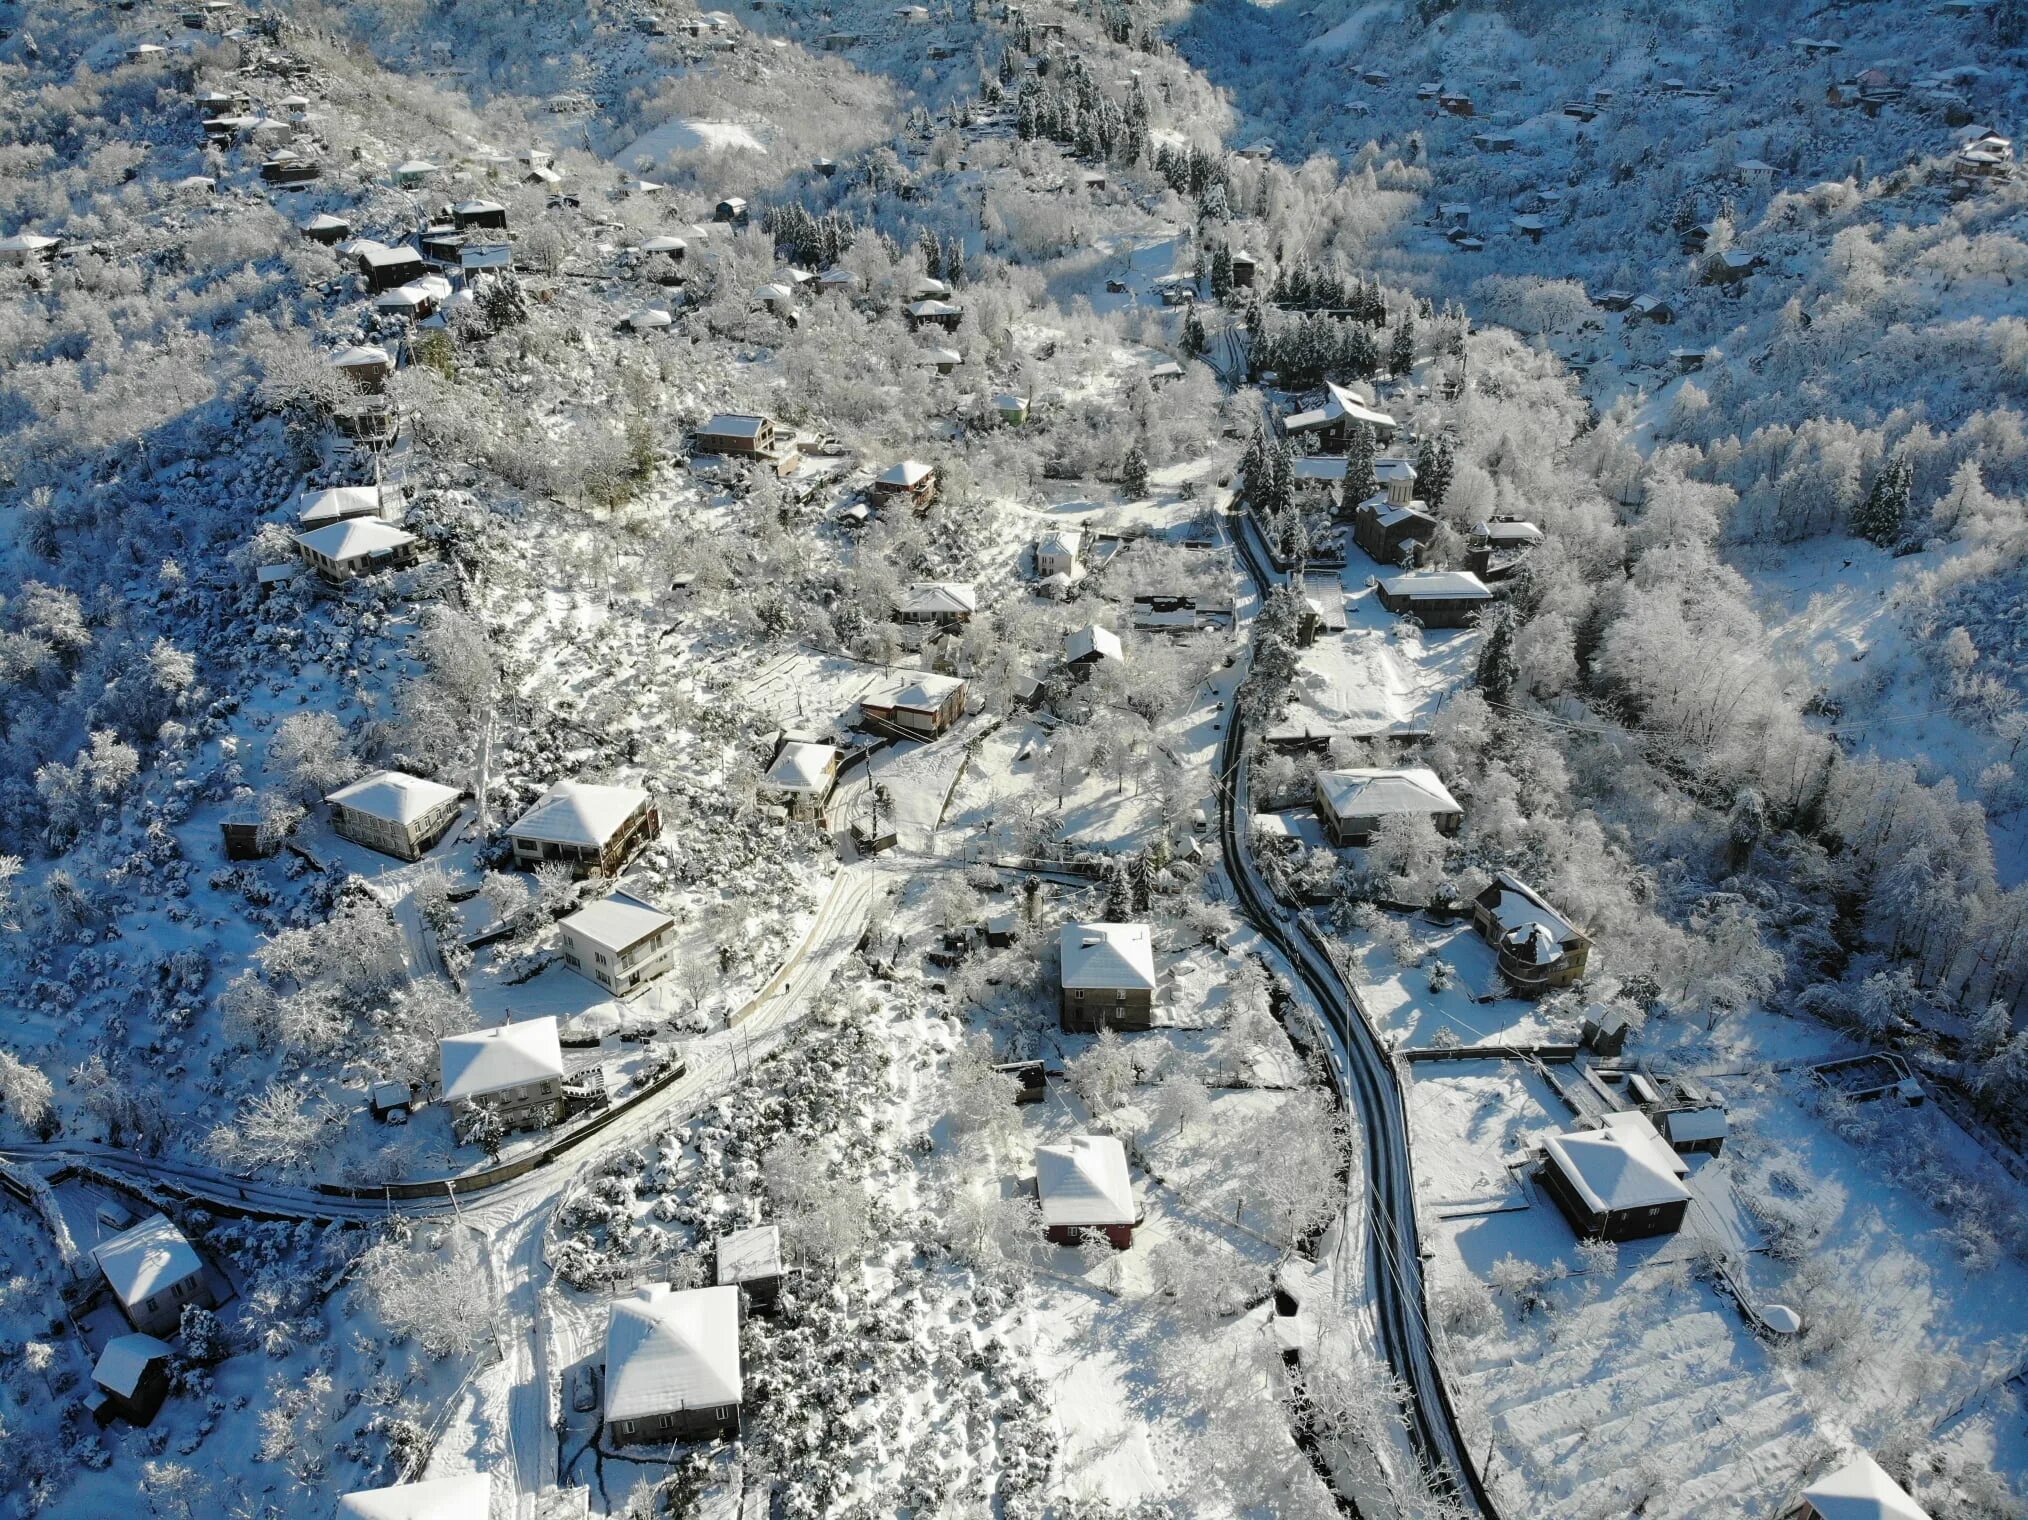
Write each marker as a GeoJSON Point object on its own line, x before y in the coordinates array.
{"type": "Point", "coordinates": [587, 826]}
{"type": "Point", "coordinates": [802, 776]}
{"type": "Point", "coordinates": [735, 433]}
{"type": "Point", "coordinates": [358, 546]}
{"type": "Point", "coordinates": [325, 228]}
{"type": "Point", "coordinates": [619, 942]}
{"type": "Point", "coordinates": [1456, 102]}
{"type": "Point", "coordinates": [153, 1272]}
{"type": "Point", "coordinates": [1106, 977]}
{"type": "Point", "coordinates": [1730, 266]}
{"type": "Point", "coordinates": [1539, 949]}
{"type": "Point", "coordinates": [1244, 267]}
{"type": "Point", "coordinates": [1392, 533]}
{"type": "Point", "coordinates": [1648, 308]}
{"type": "Point", "coordinates": [385, 267]}
{"type": "Point", "coordinates": [414, 173]}
{"type": "Point", "coordinates": [731, 210]}
{"type": "Point", "coordinates": [934, 313]}
{"type": "Point", "coordinates": [1754, 174]}
{"type": "Point", "coordinates": [911, 481]}
{"type": "Point", "coordinates": [1090, 646]}
{"type": "Point", "coordinates": [1530, 226]}
{"type": "Point", "coordinates": [395, 813]}
{"type": "Point", "coordinates": [515, 1070]}
{"type": "Point", "coordinates": [921, 706]}
{"type": "Point", "coordinates": [1494, 142]}
{"type": "Point", "coordinates": [1083, 1184]}
{"type": "Point", "coordinates": [365, 367]}
{"type": "Point", "coordinates": [29, 248]}
{"type": "Point", "coordinates": [469, 1496]}
{"type": "Point", "coordinates": [1603, 1031]}
{"type": "Point", "coordinates": [131, 1377]}
{"type": "Point", "coordinates": [466, 215]}
{"type": "Point", "coordinates": [290, 169]}
{"type": "Point", "coordinates": [1618, 1182]}
{"type": "Point", "coordinates": [1354, 803]}
{"type": "Point", "coordinates": [1332, 421]}
{"type": "Point", "coordinates": [1698, 1129]}
{"type": "Point", "coordinates": [751, 1261]}
{"type": "Point", "coordinates": [1436, 598]}
{"type": "Point", "coordinates": [673, 1366]}
{"type": "Point", "coordinates": [1860, 1490]}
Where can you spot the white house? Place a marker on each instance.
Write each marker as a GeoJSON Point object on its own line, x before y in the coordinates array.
{"type": "Point", "coordinates": [342, 551]}
{"type": "Point", "coordinates": [1107, 976]}
{"type": "Point", "coordinates": [620, 942]}
{"type": "Point", "coordinates": [469, 1496]}
{"type": "Point", "coordinates": [516, 1069]}
{"type": "Point", "coordinates": [1860, 1490]}
{"type": "Point", "coordinates": [1354, 803]}
{"type": "Point", "coordinates": [1083, 1185]}
{"type": "Point", "coordinates": [672, 1365]}
{"type": "Point", "coordinates": [803, 775]}
{"type": "Point", "coordinates": [1058, 553]}
{"type": "Point", "coordinates": [586, 826]}
{"type": "Point", "coordinates": [29, 248]}
{"type": "Point", "coordinates": [316, 509]}
{"type": "Point", "coordinates": [153, 1272]}
{"type": "Point", "coordinates": [393, 812]}
{"type": "Point", "coordinates": [937, 602]}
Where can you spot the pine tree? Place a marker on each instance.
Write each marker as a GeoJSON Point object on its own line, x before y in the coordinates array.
{"type": "Point", "coordinates": [1361, 484]}
{"type": "Point", "coordinates": [932, 253]}
{"type": "Point", "coordinates": [1881, 517]}
{"type": "Point", "coordinates": [1119, 894]}
{"type": "Point", "coordinates": [1497, 672]}
{"type": "Point", "coordinates": [1434, 461]}
{"type": "Point", "coordinates": [1253, 466]}
{"type": "Point", "coordinates": [1401, 352]}
{"type": "Point", "coordinates": [1221, 272]}
{"type": "Point", "coordinates": [1194, 340]}
{"type": "Point", "coordinates": [1134, 472]}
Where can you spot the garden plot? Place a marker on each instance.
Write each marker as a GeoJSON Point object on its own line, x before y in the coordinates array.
{"type": "Point", "coordinates": [813, 693]}
{"type": "Point", "coordinates": [1468, 1121]}
{"type": "Point", "coordinates": [1427, 984]}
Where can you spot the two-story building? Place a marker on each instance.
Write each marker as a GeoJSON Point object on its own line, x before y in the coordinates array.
{"type": "Point", "coordinates": [1106, 977]}
{"type": "Point", "coordinates": [1540, 950]}
{"type": "Point", "coordinates": [921, 706]}
{"type": "Point", "coordinates": [802, 777]}
{"type": "Point", "coordinates": [516, 1070]}
{"type": "Point", "coordinates": [673, 1366]}
{"type": "Point", "coordinates": [154, 1272]}
{"type": "Point", "coordinates": [620, 942]}
{"type": "Point", "coordinates": [585, 826]}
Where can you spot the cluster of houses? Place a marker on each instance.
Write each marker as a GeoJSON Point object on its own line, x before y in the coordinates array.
{"type": "Point", "coordinates": [153, 1273]}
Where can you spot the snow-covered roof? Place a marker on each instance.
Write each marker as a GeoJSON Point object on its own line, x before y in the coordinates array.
{"type": "Point", "coordinates": [1340, 405]}
{"type": "Point", "coordinates": [1387, 512]}
{"type": "Point", "coordinates": [1685, 1125]}
{"type": "Point", "coordinates": [1108, 957]}
{"type": "Point", "coordinates": [476, 208]}
{"type": "Point", "coordinates": [1007, 401]}
{"type": "Point", "coordinates": [748, 1254]}
{"type": "Point", "coordinates": [415, 166]}
{"type": "Point", "coordinates": [1444, 585]}
{"type": "Point", "coordinates": [1377, 793]}
{"type": "Point", "coordinates": [923, 693]}
{"type": "Point", "coordinates": [648, 318]}
{"type": "Point", "coordinates": [1518, 908]}
{"type": "Point", "coordinates": [394, 796]}
{"type": "Point", "coordinates": [934, 309]}
{"type": "Point", "coordinates": [1861, 1490]}
{"type": "Point", "coordinates": [1321, 467]}
{"type": "Point", "coordinates": [466, 1497]}
{"type": "Point", "coordinates": [1754, 166]}
{"type": "Point", "coordinates": [335, 503]}
{"type": "Point", "coordinates": [770, 295]}
{"type": "Point", "coordinates": [802, 767]}
{"type": "Point", "coordinates": [907, 475]}
{"type": "Point", "coordinates": [489, 1060]}
{"type": "Point", "coordinates": [1093, 641]}
{"type": "Point", "coordinates": [1507, 530]}
{"type": "Point", "coordinates": [379, 255]}
{"type": "Point", "coordinates": [580, 813]}
{"type": "Point", "coordinates": [1084, 1182]}
{"type": "Point", "coordinates": [734, 425]}
{"type": "Point", "coordinates": [668, 1351]}
{"type": "Point", "coordinates": [1624, 1166]}
{"type": "Point", "coordinates": [125, 1359]}
{"type": "Point", "coordinates": [144, 1260]}
{"type": "Point", "coordinates": [1061, 541]}
{"type": "Point", "coordinates": [354, 538]}
{"type": "Point", "coordinates": [617, 923]}
{"type": "Point", "coordinates": [324, 221]}
{"type": "Point", "coordinates": [939, 598]}
{"type": "Point", "coordinates": [363, 356]}
{"type": "Point", "coordinates": [664, 243]}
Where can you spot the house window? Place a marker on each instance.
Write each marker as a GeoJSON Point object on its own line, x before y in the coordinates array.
{"type": "Point", "coordinates": [1078, 994]}
{"type": "Point", "coordinates": [573, 961]}
{"type": "Point", "coordinates": [152, 1305]}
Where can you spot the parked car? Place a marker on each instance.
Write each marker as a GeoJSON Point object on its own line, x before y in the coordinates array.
{"type": "Point", "coordinates": [584, 1388]}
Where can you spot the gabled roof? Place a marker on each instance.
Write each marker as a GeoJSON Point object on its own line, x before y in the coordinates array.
{"type": "Point", "coordinates": [1084, 1182]}
{"type": "Point", "coordinates": [363, 356]}
{"type": "Point", "coordinates": [734, 425]}
{"type": "Point", "coordinates": [909, 474]}
{"type": "Point", "coordinates": [649, 318]}
{"type": "Point", "coordinates": [934, 598]}
{"type": "Point", "coordinates": [935, 309]}
{"type": "Point", "coordinates": [467, 1497]}
{"type": "Point", "coordinates": [668, 1351]}
{"type": "Point", "coordinates": [617, 923]}
{"type": "Point", "coordinates": [1092, 641]}
{"type": "Point", "coordinates": [476, 208]}
{"type": "Point", "coordinates": [802, 767]}
{"type": "Point", "coordinates": [1441, 585]}
{"type": "Point", "coordinates": [1387, 512]}
{"type": "Point", "coordinates": [1862, 1490]}
{"type": "Point", "coordinates": [1340, 405]}
{"type": "Point", "coordinates": [415, 166]}
{"type": "Point", "coordinates": [393, 796]}
{"type": "Point", "coordinates": [380, 256]}
{"type": "Point", "coordinates": [334, 503]}
{"type": "Point", "coordinates": [488, 1060]}
{"type": "Point", "coordinates": [324, 221]}
{"type": "Point", "coordinates": [354, 538]}
{"type": "Point", "coordinates": [1061, 541]}
{"type": "Point", "coordinates": [1378, 793]}
{"type": "Point", "coordinates": [1623, 1166]}
{"type": "Point", "coordinates": [1508, 530]}
{"type": "Point", "coordinates": [1688, 1125]}
{"type": "Point", "coordinates": [579, 813]}
{"type": "Point", "coordinates": [1107, 957]}
{"type": "Point", "coordinates": [124, 1360]}
{"type": "Point", "coordinates": [146, 1259]}
{"type": "Point", "coordinates": [664, 243]}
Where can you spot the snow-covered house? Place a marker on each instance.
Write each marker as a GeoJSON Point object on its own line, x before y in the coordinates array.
{"type": "Point", "coordinates": [515, 1070]}
{"type": "Point", "coordinates": [1754, 173]}
{"type": "Point", "coordinates": [358, 546]}
{"type": "Point", "coordinates": [735, 433]}
{"type": "Point", "coordinates": [586, 826]}
{"type": "Point", "coordinates": [934, 313]}
{"type": "Point", "coordinates": [1860, 1490]}
{"type": "Point", "coordinates": [153, 1272]}
{"type": "Point", "coordinates": [731, 210]}
{"type": "Point", "coordinates": [393, 812]}
{"type": "Point", "coordinates": [1011, 408]}
{"type": "Point", "coordinates": [672, 1365]}
{"type": "Point", "coordinates": [1107, 977]}
{"type": "Point", "coordinates": [1392, 532]}
{"type": "Point", "coordinates": [620, 942]}
{"type": "Point", "coordinates": [1332, 421]}
{"type": "Point", "coordinates": [1650, 308]}
{"type": "Point", "coordinates": [802, 777]}
{"type": "Point", "coordinates": [414, 173]}
{"type": "Point", "coordinates": [418, 300]}
{"type": "Point", "coordinates": [1436, 598]}
{"type": "Point", "coordinates": [937, 602]}
{"type": "Point", "coordinates": [911, 481]}
{"type": "Point", "coordinates": [132, 1378]}
{"type": "Point", "coordinates": [1244, 267]}
{"type": "Point", "coordinates": [1058, 553]}
{"type": "Point", "coordinates": [364, 366]}
{"type": "Point", "coordinates": [1354, 803]}
{"type": "Point", "coordinates": [1619, 1182]}
{"type": "Point", "coordinates": [326, 228]}
{"type": "Point", "coordinates": [332, 504]}
{"type": "Point", "coordinates": [469, 214]}
{"type": "Point", "coordinates": [1499, 544]}
{"type": "Point", "coordinates": [920, 705]}
{"type": "Point", "coordinates": [1539, 948]}
{"type": "Point", "coordinates": [1699, 1129]}
{"type": "Point", "coordinates": [385, 267]}
{"type": "Point", "coordinates": [1091, 645]}
{"type": "Point", "coordinates": [1082, 1185]}
{"type": "Point", "coordinates": [469, 1496]}
{"type": "Point", "coordinates": [751, 1260]}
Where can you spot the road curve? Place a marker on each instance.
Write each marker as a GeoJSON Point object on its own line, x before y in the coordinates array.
{"type": "Point", "coordinates": [1394, 1248]}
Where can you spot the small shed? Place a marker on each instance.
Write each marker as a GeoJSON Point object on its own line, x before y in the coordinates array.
{"type": "Point", "coordinates": [731, 210]}
{"type": "Point", "coordinates": [1698, 1130]}
{"type": "Point", "coordinates": [1604, 1031]}
{"type": "Point", "coordinates": [132, 1376]}
{"type": "Point", "coordinates": [390, 1102]}
{"type": "Point", "coordinates": [1031, 1078]}
{"type": "Point", "coordinates": [751, 1260]}
{"type": "Point", "coordinates": [326, 228]}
